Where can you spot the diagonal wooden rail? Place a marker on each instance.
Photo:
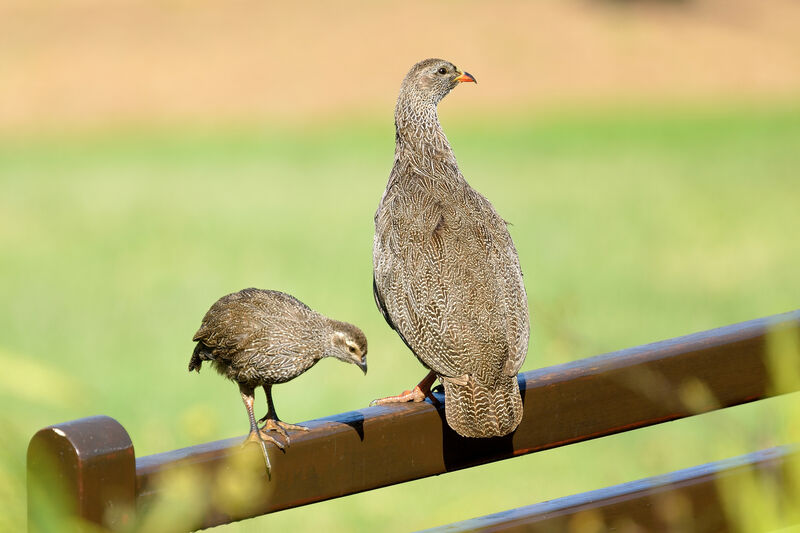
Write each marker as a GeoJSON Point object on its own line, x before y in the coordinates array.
{"type": "Point", "coordinates": [93, 460]}
{"type": "Point", "coordinates": [692, 499]}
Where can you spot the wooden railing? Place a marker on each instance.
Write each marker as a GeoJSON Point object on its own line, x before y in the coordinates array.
{"type": "Point", "coordinates": [686, 500]}
{"type": "Point", "coordinates": [86, 469]}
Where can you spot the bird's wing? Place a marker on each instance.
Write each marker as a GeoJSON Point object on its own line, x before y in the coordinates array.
{"type": "Point", "coordinates": [396, 255]}
{"type": "Point", "coordinates": [227, 326]}
{"type": "Point", "coordinates": [251, 320]}
{"type": "Point", "coordinates": [442, 270]}
{"type": "Point", "coordinates": [376, 293]}
{"type": "Point", "coordinates": [382, 308]}
{"type": "Point", "coordinates": [516, 307]}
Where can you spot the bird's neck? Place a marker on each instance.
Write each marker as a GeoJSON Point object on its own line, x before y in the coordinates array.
{"type": "Point", "coordinates": [332, 329]}
{"type": "Point", "coordinates": [419, 137]}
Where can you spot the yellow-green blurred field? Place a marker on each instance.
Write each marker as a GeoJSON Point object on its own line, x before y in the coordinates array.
{"type": "Point", "coordinates": [157, 155]}
{"type": "Point", "coordinates": [630, 227]}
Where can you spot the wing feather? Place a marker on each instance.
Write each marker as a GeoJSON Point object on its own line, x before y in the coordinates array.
{"type": "Point", "coordinates": [447, 279]}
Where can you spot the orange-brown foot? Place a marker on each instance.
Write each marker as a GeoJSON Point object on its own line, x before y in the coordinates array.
{"type": "Point", "coordinates": [414, 395]}
{"type": "Point", "coordinates": [271, 424]}
{"type": "Point", "coordinates": [261, 436]}
{"type": "Point", "coordinates": [417, 394]}
{"type": "Point", "coordinates": [257, 438]}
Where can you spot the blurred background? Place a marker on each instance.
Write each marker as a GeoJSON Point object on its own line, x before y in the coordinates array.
{"type": "Point", "coordinates": [155, 156]}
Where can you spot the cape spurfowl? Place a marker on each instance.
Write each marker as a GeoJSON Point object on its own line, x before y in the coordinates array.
{"type": "Point", "coordinates": [446, 274]}
{"type": "Point", "coordinates": [258, 338]}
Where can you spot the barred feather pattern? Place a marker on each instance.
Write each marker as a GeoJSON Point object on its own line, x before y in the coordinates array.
{"type": "Point", "coordinates": [483, 411]}
{"type": "Point", "coordinates": [446, 273]}
{"type": "Point", "coordinates": [258, 337]}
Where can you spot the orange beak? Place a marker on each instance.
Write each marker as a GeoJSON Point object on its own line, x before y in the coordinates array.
{"type": "Point", "coordinates": [465, 77]}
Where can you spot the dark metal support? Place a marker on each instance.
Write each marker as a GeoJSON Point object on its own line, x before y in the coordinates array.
{"type": "Point", "coordinates": [692, 499]}
{"type": "Point", "coordinates": [81, 473]}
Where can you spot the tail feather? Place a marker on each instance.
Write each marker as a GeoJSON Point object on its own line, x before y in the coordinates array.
{"type": "Point", "coordinates": [197, 359]}
{"type": "Point", "coordinates": [473, 410]}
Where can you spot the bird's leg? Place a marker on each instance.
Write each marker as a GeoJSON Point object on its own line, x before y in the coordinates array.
{"type": "Point", "coordinates": [255, 435]}
{"type": "Point", "coordinates": [417, 394]}
{"type": "Point", "coordinates": [271, 420]}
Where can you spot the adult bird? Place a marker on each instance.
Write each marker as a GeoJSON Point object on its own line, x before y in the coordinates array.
{"type": "Point", "coordinates": [446, 275]}
{"type": "Point", "coordinates": [258, 338]}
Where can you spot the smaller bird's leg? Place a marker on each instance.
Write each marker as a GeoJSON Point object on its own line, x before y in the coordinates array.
{"type": "Point", "coordinates": [417, 394]}
{"type": "Point", "coordinates": [255, 435]}
{"type": "Point", "coordinates": [272, 422]}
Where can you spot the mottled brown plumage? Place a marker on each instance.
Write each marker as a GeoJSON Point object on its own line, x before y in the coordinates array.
{"type": "Point", "coordinates": [446, 273]}
{"type": "Point", "coordinates": [259, 337]}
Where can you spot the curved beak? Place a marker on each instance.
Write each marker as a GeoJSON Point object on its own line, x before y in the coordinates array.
{"type": "Point", "coordinates": [363, 366]}
{"type": "Point", "coordinates": [466, 77]}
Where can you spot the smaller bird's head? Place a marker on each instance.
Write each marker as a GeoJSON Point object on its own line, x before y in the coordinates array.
{"type": "Point", "coordinates": [432, 79]}
{"type": "Point", "coordinates": [349, 344]}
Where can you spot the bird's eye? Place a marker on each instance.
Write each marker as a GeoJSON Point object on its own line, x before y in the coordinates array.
{"type": "Point", "coordinates": [352, 349]}
{"type": "Point", "coordinates": [442, 70]}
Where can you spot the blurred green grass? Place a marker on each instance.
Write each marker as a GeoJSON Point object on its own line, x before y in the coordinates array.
{"type": "Point", "coordinates": [631, 227]}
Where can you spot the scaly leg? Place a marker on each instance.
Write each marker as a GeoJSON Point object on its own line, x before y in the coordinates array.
{"type": "Point", "coordinates": [273, 423]}
{"type": "Point", "coordinates": [417, 394]}
{"type": "Point", "coordinates": [255, 435]}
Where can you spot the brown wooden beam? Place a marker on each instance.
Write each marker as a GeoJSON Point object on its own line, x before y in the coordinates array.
{"type": "Point", "coordinates": [79, 473]}
{"type": "Point", "coordinates": [693, 499]}
{"type": "Point", "coordinates": [379, 446]}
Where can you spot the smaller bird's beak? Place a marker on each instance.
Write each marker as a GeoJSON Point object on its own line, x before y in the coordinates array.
{"type": "Point", "coordinates": [465, 77]}
{"type": "Point", "coordinates": [363, 366]}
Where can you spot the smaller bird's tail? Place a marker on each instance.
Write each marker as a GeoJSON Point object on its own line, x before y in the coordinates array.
{"type": "Point", "coordinates": [197, 361]}
{"type": "Point", "coordinates": [473, 410]}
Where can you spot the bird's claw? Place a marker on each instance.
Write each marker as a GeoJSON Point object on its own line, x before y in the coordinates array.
{"type": "Point", "coordinates": [276, 442]}
{"type": "Point", "coordinates": [257, 438]}
{"type": "Point", "coordinates": [414, 395]}
{"type": "Point", "coordinates": [271, 424]}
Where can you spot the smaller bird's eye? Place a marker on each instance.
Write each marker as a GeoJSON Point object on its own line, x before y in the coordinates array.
{"type": "Point", "coordinates": [352, 349]}
{"type": "Point", "coordinates": [442, 70]}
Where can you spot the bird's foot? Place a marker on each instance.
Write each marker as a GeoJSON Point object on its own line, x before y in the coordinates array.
{"type": "Point", "coordinates": [414, 395]}
{"type": "Point", "coordinates": [272, 424]}
{"type": "Point", "coordinates": [262, 436]}
{"type": "Point", "coordinates": [257, 438]}
{"type": "Point", "coordinates": [417, 394]}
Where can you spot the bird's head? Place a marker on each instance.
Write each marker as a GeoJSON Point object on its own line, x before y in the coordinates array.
{"type": "Point", "coordinates": [349, 344]}
{"type": "Point", "coordinates": [431, 79]}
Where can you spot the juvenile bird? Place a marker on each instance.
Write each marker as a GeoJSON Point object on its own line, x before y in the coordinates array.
{"type": "Point", "coordinates": [446, 275]}
{"type": "Point", "coordinates": [257, 338]}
